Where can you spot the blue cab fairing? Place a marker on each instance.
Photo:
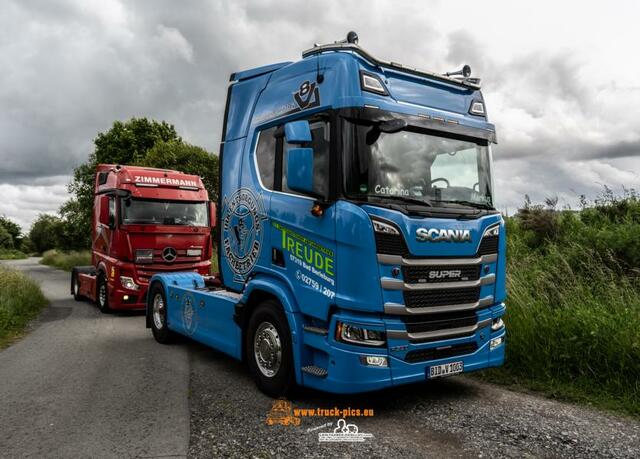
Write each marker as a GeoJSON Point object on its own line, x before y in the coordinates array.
{"type": "Point", "coordinates": [331, 269]}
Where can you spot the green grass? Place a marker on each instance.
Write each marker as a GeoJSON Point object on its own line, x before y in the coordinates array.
{"type": "Point", "coordinates": [20, 301]}
{"type": "Point", "coordinates": [573, 315]}
{"type": "Point", "coordinates": [12, 254]}
{"type": "Point", "coordinates": [66, 260]}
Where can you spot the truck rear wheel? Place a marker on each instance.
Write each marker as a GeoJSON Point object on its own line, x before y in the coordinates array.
{"type": "Point", "coordinates": [158, 306]}
{"type": "Point", "coordinates": [102, 294]}
{"type": "Point", "coordinates": [268, 349]}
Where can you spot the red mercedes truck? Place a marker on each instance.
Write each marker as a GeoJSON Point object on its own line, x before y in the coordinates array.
{"type": "Point", "coordinates": [145, 221]}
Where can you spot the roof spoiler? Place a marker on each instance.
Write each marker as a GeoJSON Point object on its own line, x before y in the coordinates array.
{"type": "Point", "coordinates": [351, 44]}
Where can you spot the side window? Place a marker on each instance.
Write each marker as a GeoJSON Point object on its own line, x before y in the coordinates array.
{"type": "Point", "coordinates": [112, 209]}
{"type": "Point", "coordinates": [320, 142]}
{"type": "Point", "coordinates": [266, 157]}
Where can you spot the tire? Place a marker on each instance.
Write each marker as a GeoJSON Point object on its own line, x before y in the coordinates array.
{"type": "Point", "coordinates": [102, 299]}
{"type": "Point", "coordinates": [75, 286]}
{"type": "Point", "coordinates": [158, 308]}
{"type": "Point", "coordinates": [268, 340]}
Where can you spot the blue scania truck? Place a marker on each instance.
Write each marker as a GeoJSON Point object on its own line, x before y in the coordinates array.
{"type": "Point", "coordinates": [359, 246]}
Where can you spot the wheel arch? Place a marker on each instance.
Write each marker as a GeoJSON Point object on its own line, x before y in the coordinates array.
{"type": "Point", "coordinates": [260, 289]}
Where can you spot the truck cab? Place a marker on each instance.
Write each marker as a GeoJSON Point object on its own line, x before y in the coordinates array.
{"type": "Point", "coordinates": [359, 245]}
{"type": "Point", "coordinates": [145, 221]}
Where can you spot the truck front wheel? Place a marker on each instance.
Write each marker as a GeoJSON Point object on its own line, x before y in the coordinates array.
{"type": "Point", "coordinates": [102, 294]}
{"type": "Point", "coordinates": [158, 306]}
{"type": "Point", "coordinates": [268, 349]}
{"type": "Point", "coordinates": [75, 286]}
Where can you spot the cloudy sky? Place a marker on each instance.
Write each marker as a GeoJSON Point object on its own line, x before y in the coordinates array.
{"type": "Point", "coordinates": [560, 79]}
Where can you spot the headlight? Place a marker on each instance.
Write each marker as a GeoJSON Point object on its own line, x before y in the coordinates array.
{"type": "Point", "coordinates": [492, 231]}
{"type": "Point", "coordinates": [497, 324]}
{"type": "Point", "coordinates": [128, 283]}
{"type": "Point", "coordinates": [361, 336]}
{"type": "Point", "coordinates": [194, 252]}
{"type": "Point", "coordinates": [144, 256]}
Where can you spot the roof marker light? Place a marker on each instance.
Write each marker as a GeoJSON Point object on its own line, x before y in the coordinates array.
{"type": "Point", "coordinates": [372, 83]}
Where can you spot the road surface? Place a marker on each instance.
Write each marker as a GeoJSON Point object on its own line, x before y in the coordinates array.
{"type": "Point", "coordinates": [83, 384]}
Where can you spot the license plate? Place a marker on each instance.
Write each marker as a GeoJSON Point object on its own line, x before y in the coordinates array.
{"type": "Point", "coordinates": [446, 369]}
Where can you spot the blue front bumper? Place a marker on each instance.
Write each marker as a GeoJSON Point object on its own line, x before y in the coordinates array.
{"type": "Point", "coordinates": [347, 374]}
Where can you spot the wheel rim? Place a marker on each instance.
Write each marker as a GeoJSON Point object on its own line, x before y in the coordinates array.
{"type": "Point", "coordinates": [158, 311]}
{"type": "Point", "coordinates": [75, 287]}
{"type": "Point", "coordinates": [102, 294]}
{"type": "Point", "coordinates": [267, 348]}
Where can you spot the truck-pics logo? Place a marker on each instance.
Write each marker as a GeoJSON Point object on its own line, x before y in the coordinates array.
{"type": "Point", "coordinates": [443, 235]}
{"type": "Point", "coordinates": [242, 231]}
{"type": "Point", "coordinates": [282, 413]}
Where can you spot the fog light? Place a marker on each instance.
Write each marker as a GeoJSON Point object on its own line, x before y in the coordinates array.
{"type": "Point", "coordinates": [495, 342]}
{"type": "Point", "coordinates": [374, 360]}
{"type": "Point", "coordinates": [497, 324]}
{"type": "Point", "coordinates": [125, 297]}
{"type": "Point", "coordinates": [128, 283]}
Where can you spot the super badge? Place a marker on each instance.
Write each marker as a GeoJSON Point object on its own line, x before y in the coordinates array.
{"type": "Point", "coordinates": [242, 231]}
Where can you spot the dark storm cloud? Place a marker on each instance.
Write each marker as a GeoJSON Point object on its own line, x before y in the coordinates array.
{"type": "Point", "coordinates": [72, 67]}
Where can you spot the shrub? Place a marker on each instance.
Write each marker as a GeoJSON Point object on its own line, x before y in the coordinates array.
{"type": "Point", "coordinates": [20, 301]}
{"type": "Point", "coordinates": [66, 260]}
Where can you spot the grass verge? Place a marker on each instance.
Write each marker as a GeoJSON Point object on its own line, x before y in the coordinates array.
{"type": "Point", "coordinates": [573, 315]}
{"type": "Point", "coordinates": [66, 260]}
{"type": "Point", "coordinates": [20, 301]}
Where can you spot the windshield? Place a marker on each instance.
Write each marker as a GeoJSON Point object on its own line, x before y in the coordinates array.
{"type": "Point", "coordinates": [155, 212]}
{"type": "Point", "coordinates": [416, 166]}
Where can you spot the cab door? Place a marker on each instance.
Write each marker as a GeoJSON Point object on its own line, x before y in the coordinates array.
{"type": "Point", "coordinates": [303, 245]}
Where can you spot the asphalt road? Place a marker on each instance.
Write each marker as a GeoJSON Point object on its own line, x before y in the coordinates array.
{"type": "Point", "coordinates": [85, 384]}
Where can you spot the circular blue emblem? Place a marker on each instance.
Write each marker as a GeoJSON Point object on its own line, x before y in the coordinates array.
{"type": "Point", "coordinates": [242, 231]}
{"type": "Point", "coordinates": [189, 315]}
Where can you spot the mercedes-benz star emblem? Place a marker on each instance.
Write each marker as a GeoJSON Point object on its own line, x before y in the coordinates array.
{"type": "Point", "coordinates": [169, 254]}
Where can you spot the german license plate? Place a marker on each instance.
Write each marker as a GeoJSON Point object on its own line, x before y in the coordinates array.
{"type": "Point", "coordinates": [446, 369]}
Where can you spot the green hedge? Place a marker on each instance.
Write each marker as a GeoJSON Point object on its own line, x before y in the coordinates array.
{"type": "Point", "coordinates": [20, 301]}
{"type": "Point", "coordinates": [66, 260]}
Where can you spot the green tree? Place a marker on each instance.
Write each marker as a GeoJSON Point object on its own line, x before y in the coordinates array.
{"type": "Point", "coordinates": [6, 241]}
{"type": "Point", "coordinates": [13, 229]}
{"type": "Point", "coordinates": [187, 158]}
{"type": "Point", "coordinates": [125, 143]}
{"type": "Point", "coordinates": [47, 232]}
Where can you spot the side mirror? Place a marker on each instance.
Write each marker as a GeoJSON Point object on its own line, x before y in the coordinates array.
{"type": "Point", "coordinates": [212, 214]}
{"type": "Point", "coordinates": [103, 218]}
{"type": "Point", "coordinates": [112, 221]}
{"type": "Point", "coordinates": [297, 132]}
{"type": "Point", "coordinates": [300, 170]}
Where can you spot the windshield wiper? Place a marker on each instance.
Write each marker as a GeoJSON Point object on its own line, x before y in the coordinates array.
{"type": "Point", "coordinates": [406, 199]}
{"type": "Point", "coordinates": [462, 202]}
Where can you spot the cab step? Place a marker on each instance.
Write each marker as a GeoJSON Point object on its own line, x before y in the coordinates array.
{"type": "Point", "coordinates": [315, 371]}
